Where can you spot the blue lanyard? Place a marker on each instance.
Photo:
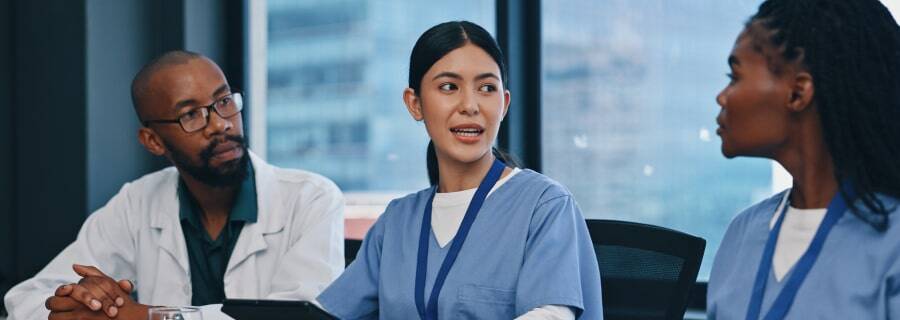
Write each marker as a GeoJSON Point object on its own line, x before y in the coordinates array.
{"type": "Point", "coordinates": [785, 299]}
{"type": "Point", "coordinates": [430, 312]}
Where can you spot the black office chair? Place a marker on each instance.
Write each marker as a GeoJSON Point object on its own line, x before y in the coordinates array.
{"type": "Point", "coordinates": [351, 247]}
{"type": "Point", "coordinates": [646, 271]}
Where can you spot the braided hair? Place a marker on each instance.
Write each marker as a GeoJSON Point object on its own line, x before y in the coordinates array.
{"type": "Point", "coordinates": [852, 50]}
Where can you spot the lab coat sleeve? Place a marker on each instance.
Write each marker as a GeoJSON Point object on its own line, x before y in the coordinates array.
{"type": "Point", "coordinates": [560, 266]}
{"type": "Point", "coordinates": [104, 241]}
{"type": "Point", "coordinates": [214, 312]}
{"type": "Point", "coordinates": [316, 257]}
{"type": "Point", "coordinates": [354, 295]}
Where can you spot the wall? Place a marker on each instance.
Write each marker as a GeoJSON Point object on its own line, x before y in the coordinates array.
{"type": "Point", "coordinates": [67, 127]}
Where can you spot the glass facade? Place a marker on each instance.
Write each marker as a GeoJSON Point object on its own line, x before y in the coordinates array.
{"type": "Point", "coordinates": [628, 103]}
{"type": "Point", "coordinates": [336, 74]}
{"type": "Point", "coordinates": [628, 118]}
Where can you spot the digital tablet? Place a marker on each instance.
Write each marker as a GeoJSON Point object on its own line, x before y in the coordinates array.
{"type": "Point", "coordinates": [240, 309]}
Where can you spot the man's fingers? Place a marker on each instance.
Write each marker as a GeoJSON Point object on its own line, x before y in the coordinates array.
{"type": "Point", "coordinates": [98, 291]}
{"type": "Point", "coordinates": [61, 316]}
{"type": "Point", "coordinates": [115, 294]}
{"type": "Point", "coordinates": [87, 271]}
{"type": "Point", "coordinates": [64, 290]}
{"type": "Point", "coordinates": [110, 287]}
{"type": "Point", "coordinates": [77, 314]}
{"type": "Point", "coordinates": [112, 311]}
{"type": "Point", "coordinates": [84, 296]}
{"type": "Point", "coordinates": [105, 290]}
{"type": "Point", "coordinates": [61, 304]}
{"type": "Point", "coordinates": [126, 285]}
{"type": "Point", "coordinates": [69, 308]}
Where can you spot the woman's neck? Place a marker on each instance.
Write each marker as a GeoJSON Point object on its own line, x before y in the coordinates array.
{"type": "Point", "coordinates": [457, 176]}
{"type": "Point", "coordinates": [809, 162]}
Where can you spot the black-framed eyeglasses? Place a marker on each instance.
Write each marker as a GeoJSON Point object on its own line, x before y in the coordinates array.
{"type": "Point", "coordinates": [198, 118]}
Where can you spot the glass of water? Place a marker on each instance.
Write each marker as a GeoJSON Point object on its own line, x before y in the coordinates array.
{"type": "Point", "coordinates": [174, 313]}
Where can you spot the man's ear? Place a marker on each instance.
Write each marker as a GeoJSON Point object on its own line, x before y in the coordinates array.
{"type": "Point", "coordinates": [413, 104]}
{"type": "Point", "coordinates": [151, 141]}
{"type": "Point", "coordinates": [802, 92]}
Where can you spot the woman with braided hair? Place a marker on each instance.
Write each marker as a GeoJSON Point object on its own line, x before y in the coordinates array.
{"type": "Point", "coordinates": [815, 85]}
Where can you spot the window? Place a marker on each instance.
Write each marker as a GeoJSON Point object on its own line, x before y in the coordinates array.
{"type": "Point", "coordinates": [628, 112]}
{"type": "Point", "coordinates": [336, 74]}
{"type": "Point", "coordinates": [628, 103]}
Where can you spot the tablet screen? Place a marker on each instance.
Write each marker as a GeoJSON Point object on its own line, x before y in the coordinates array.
{"type": "Point", "coordinates": [240, 309]}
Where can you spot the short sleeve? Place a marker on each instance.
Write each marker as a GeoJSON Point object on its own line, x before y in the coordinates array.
{"type": "Point", "coordinates": [354, 295]}
{"type": "Point", "coordinates": [560, 266]}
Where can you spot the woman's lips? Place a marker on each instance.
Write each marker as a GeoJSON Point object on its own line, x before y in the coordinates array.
{"type": "Point", "coordinates": [468, 133]}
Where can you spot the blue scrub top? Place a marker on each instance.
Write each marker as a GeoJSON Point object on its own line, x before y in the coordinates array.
{"type": "Point", "coordinates": [529, 246]}
{"type": "Point", "coordinates": [857, 274]}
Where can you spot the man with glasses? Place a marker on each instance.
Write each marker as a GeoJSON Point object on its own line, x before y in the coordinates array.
{"type": "Point", "coordinates": [220, 223]}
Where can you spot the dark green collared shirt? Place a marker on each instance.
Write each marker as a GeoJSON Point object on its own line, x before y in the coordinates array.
{"type": "Point", "coordinates": [209, 258]}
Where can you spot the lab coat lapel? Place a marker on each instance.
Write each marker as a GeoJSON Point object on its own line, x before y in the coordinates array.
{"type": "Point", "coordinates": [166, 222]}
{"type": "Point", "coordinates": [170, 287]}
{"type": "Point", "coordinates": [242, 268]}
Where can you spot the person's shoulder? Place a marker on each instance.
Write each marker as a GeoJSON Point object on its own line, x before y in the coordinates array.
{"type": "Point", "coordinates": [760, 211]}
{"type": "Point", "coordinates": [298, 180]}
{"type": "Point", "coordinates": [153, 182]}
{"type": "Point", "coordinates": [139, 199]}
{"type": "Point", "coordinates": [873, 240]}
{"type": "Point", "coordinates": [537, 197]}
{"type": "Point", "coordinates": [303, 177]}
{"type": "Point", "coordinates": [297, 197]}
{"type": "Point", "coordinates": [400, 211]}
{"type": "Point", "coordinates": [408, 203]}
{"type": "Point", "coordinates": [891, 205]}
{"type": "Point", "coordinates": [539, 186]}
{"type": "Point", "coordinates": [731, 256]}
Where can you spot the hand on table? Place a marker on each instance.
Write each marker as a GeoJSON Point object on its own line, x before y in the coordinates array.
{"type": "Point", "coordinates": [95, 296]}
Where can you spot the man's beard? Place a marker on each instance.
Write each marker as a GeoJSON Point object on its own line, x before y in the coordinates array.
{"type": "Point", "coordinates": [228, 174]}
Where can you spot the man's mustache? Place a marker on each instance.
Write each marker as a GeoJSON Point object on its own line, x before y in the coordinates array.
{"type": "Point", "coordinates": [207, 152]}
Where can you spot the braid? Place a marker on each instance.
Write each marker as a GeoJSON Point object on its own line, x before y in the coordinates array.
{"type": "Point", "coordinates": [852, 50]}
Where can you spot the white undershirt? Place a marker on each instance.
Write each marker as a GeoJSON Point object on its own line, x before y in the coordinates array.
{"type": "Point", "coordinates": [448, 210]}
{"type": "Point", "coordinates": [797, 230]}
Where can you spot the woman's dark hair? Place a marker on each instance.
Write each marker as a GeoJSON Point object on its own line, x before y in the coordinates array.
{"type": "Point", "coordinates": [852, 50]}
{"type": "Point", "coordinates": [433, 45]}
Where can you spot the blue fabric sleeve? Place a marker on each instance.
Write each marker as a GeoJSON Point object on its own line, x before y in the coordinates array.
{"type": "Point", "coordinates": [893, 298]}
{"type": "Point", "coordinates": [723, 263]}
{"type": "Point", "coordinates": [892, 285]}
{"type": "Point", "coordinates": [723, 260]}
{"type": "Point", "coordinates": [732, 255]}
{"type": "Point", "coordinates": [354, 295]}
{"type": "Point", "coordinates": [559, 266]}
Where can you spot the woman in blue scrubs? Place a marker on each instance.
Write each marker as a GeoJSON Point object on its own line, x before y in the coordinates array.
{"type": "Point", "coordinates": [485, 241]}
{"type": "Point", "coordinates": [815, 85]}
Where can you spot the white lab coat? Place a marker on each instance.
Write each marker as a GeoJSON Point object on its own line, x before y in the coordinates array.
{"type": "Point", "coordinates": [293, 251]}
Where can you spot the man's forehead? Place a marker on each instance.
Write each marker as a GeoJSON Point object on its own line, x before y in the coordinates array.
{"type": "Point", "coordinates": [197, 79]}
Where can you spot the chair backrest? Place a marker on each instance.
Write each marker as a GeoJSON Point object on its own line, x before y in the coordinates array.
{"type": "Point", "coordinates": [351, 247]}
{"type": "Point", "coordinates": [646, 271]}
